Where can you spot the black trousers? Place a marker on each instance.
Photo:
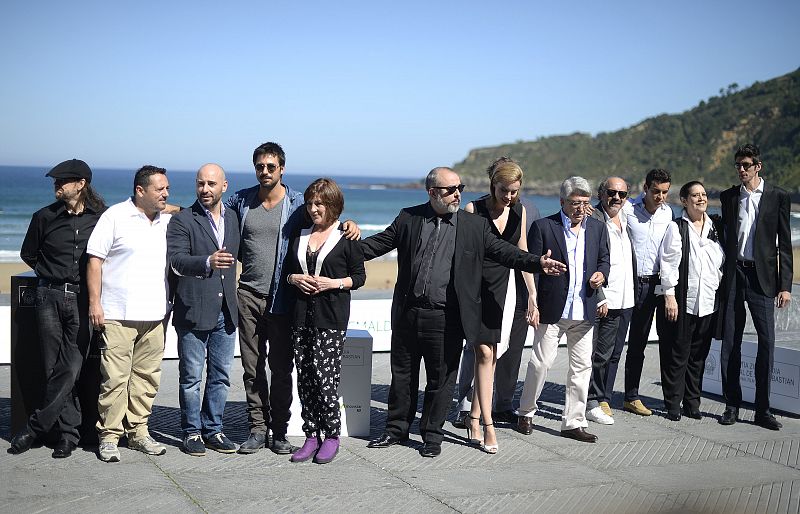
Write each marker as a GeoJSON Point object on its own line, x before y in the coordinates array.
{"type": "Point", "coordinates": [762, 311]}
{"type": "Point", "coordinates": [647, 302]}
{"type": "Point", "coordinates": [64, 342]}
{"type": "Point", "coordinates": [609, 339]}
{"type": "Point", "coordinates": [267, 404]}
{"type": "Point", "coordinates": [434, 336]}
{"type": "Point", "coordinates": [683, 359]}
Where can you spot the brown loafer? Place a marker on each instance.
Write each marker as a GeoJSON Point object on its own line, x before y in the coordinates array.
{"type": "Point", "coordinates": [525, 425]}
{"type": "Point", "coordinates": [579, 434]}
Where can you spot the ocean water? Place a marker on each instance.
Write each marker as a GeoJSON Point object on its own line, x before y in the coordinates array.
{"type": "Point", "coordinates": [371, 201]}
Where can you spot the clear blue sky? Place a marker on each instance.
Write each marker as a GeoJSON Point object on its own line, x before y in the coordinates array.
{"type": "Point", "coordinates": [360, 87]}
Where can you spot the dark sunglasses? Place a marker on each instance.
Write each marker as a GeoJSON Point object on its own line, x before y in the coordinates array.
{"type": "Point", "coordinates": [744, 165]}
{"type": "Point", "coordinates": [613, 192]}
{"type": "Point", "coordinates": [271, 167]}
{"type": "Point", "coordinates": [448, 190]}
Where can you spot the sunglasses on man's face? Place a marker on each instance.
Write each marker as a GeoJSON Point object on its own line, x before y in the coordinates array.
{"type": "Point", "coordinates": [271, 167]}
{"type": "Point", "coordinates": [613, 192]}
{"type": "Point", "coordinates": [448, 190]}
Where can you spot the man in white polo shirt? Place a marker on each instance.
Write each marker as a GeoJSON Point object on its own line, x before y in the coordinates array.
{"type": "Point", "coordinates": [126, 278]}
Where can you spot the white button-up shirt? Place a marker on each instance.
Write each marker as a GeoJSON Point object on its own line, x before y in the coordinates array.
{"type": "Point", "coordinates": [576, 244]}
{"type": "Point", "coordinates": [748, 214]}
{"type": "Point", "coordinates": [134, 253]}
{"type": "Point", "coordinates": [647, 231]}
{"type": "Point", "coordinates": [705, 260]}
{"type": "Point", "coordinates": [620, 289]}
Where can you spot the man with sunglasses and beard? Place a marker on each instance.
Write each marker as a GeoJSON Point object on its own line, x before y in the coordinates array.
{"type": "Point", "coordinates": [615, 300]}
{"type": "Point", "coordinates": [55, 247]}
{"type": "Point", "coordinates": [436, 303]}
{"type": "Point", "coordinates": [269, 213]}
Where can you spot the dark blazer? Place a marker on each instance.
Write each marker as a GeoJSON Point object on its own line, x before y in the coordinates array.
{"type": "Point", "coordinates": [548, 234]}
{"type": "Point", "coordinates": [773, 263]}
{"type": "Point", "coordinates": [199, 295]}
{"type": "Point", "coordinates": [599, 215]}
{"type": "Point", "coordinates": [474, 240]}
{"type": "Point", "coordinates": [332, 307]}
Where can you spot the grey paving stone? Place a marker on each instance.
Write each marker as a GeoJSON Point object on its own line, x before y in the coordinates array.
{"type": "Point", "coordinates": [784, 451]}
{"type": "Point", "coordinates": [779, 497]}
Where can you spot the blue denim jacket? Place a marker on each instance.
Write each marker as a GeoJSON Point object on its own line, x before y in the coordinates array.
{"type": "Point", "coordinates": [292, 220]}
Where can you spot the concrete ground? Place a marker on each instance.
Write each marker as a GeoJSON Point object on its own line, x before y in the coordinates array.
{"type": "Point", "coordinates": [639, 465]}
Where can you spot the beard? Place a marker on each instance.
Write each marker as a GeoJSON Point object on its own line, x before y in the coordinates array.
{"type": "Point", "coordinates": [440, 205]}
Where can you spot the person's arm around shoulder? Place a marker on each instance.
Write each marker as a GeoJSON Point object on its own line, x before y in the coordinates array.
{"type": "Point", "coordinates": [384, 241]}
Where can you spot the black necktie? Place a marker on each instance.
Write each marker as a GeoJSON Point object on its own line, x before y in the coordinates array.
{"type": "Point", "coordinates": [427, 260]}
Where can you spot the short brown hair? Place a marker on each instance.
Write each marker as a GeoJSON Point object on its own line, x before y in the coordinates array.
{"type": "Point", "coordinates": [329, 193]}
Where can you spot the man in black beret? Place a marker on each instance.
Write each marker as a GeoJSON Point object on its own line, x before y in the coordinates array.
{"type": "Point", "coordinates": [55, 247]}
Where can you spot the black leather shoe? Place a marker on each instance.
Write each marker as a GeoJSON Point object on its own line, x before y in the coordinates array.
{"type": "Point", "coordinates": [461, 420]}
{"type": "Point", "coordinates": [63, 449]}
{"type": "Point", "coordinates": [690, 412]}
{"type": "Point", "coordinates": [281, 446]}
{"type": "Point", "coordinates": [431, 450]}
{"type": "Point", "coordinates": [22, 442]}
{"type": "Point", "coordinates": [673, 416]}
{"type": "Point", "coordinates": [254, 443]}
{"type": "Point", "coordinates": [579, 434]}
{"type": "Point", "coordinates": [506, 416]}
{"type": "Point", "coordinates": [525, 425]}
{"type": "Point", "coordinates": [768, 421]}
{"type": "Point", "coordinates": [385, 441]}
{"type": "Point", "coordinates": [729, 416]}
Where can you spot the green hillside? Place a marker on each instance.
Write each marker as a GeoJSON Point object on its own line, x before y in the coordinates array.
{"type": "Point", "coordinates": [696, 144]}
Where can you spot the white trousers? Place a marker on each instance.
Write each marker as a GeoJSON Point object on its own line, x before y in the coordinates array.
{"type": "Point", "coordinates": [543, 355]}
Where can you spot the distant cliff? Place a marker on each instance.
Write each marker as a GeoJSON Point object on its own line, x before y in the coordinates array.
{"type": "Point", "coordinates": [696, 144]}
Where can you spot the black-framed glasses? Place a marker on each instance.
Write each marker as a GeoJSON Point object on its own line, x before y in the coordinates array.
{"type": "Point", "coordinates": [744, 165]}
{"type": "Point", "coordinates": [613, 192]}
{"type": "Point", "coordinates": [448, 190]}
{"type": "Point", "coordinates": [271, 167]}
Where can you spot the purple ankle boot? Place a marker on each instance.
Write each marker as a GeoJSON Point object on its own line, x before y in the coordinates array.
{"type": "Point", "coordinates": [328, 450]}
{"type": "Point", "coordinates": [308, 450]}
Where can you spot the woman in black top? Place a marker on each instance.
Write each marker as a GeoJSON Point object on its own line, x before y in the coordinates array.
{"type": "Point", "coordinates": [323, 266]}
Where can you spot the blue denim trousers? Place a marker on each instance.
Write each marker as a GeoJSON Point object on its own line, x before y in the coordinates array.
{"type": "Point", "coordinates": [195, 347]}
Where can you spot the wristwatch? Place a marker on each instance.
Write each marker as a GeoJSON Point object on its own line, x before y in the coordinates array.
{"type": "Point", "coordinates": [341, 284]}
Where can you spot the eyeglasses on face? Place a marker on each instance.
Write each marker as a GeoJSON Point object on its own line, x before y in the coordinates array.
{"type": "Point", "coordinates": [744, 165]}
{"type": "Point", "coordinates": [613, 192]}
{"type": "Point", "coordinates": [448, 190]}
{"type": "Point", "coordinates": [271, 167]}
{"type": "Point", "coordinates": [577, 203]}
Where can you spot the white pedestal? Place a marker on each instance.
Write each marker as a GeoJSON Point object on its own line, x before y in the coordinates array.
{"type": "Point", "coordinates": [355, 389]}
{"type": "Point", "coordinates": [785, 387]}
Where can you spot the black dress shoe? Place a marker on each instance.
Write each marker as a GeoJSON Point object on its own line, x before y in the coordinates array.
{"type": "Point", "coordinates": [431, 450]}
{"type": "Point", "coordinates": [768, 421]}
{"type": "Point", "coordinates": [729, 416]}
{"type": "Point", "coordinates": [525, 425]}
{"type": "Point", "coordinates": [255, 442]}
{"type": "Point", "coordinates": [579, 434]}
{"type": "Point", "coordinates": [673, 415]}
{"type": "Point", "coordinates": [693, 413]}
{"type": "Point", "coordinates": [506, 416]}
{"type": "Point", "coordinates": [22, 442]}
{"type": "Point", "coordinates": [385, 441]}
{"type": "Point", "coordinates": [63, 449]}
{"type": "Point", "coordinates": [461, 420]}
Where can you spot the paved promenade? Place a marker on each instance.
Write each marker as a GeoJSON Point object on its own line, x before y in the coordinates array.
{"type": "Point", "coordinates": [639, 465]}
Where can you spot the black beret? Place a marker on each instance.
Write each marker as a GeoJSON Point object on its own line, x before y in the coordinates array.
{"type": "Point", "coordinates": [73, 168]}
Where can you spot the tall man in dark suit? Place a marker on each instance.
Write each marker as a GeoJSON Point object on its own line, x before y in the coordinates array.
{"type": "Point", "coordinates": [570, 305]}
{"type": "Point", "coordinates": [202, 244]}
{"type": "Point", "coordinates": [758, 270]}
{"type": "Point", "coordinates": [436, 302]}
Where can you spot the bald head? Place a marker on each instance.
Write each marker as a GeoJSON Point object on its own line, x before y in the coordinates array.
{"type": "Point", "coordinates": [210, 184]}
{"type": "Point", "coordinates": [444, 189]}
{"type": "Point", "coordinates": [619, 189]}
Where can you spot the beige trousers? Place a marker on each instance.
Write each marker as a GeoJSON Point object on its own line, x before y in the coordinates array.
{"type": "Point", "coordinates": [130, 368]}
{"type": "Point", "coordinates": [543, 355]}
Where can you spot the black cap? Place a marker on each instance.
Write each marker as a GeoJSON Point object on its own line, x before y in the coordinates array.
{"type": "Point", "coordinates": [73, 168]}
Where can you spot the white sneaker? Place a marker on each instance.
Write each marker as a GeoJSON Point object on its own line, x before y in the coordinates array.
{"type": "Point", "coordinates": [147, 445]}
{"type": "Point", "coordinates": [598, 416]}
{"type": "Point", "coordinates": [109, 452]}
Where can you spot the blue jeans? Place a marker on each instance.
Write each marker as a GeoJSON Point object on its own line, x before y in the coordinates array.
{"type": "Point", "coordinates": [193, 346]}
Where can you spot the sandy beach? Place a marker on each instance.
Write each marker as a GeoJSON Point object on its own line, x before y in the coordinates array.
{"type": "Point", "coordinates": [380, 274]}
